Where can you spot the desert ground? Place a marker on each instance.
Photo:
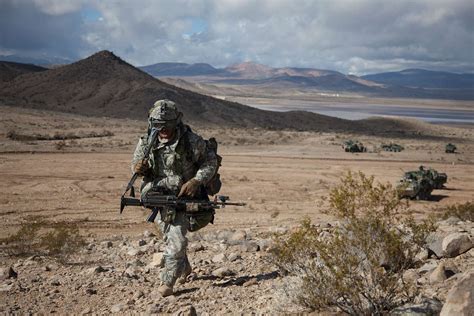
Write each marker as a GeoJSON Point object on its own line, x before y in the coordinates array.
{"type": "Point", "coordinates": [73, 169]}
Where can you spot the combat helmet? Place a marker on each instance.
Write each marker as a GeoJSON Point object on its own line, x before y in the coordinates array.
{"type": "Point", "coordinates": [164, 114]}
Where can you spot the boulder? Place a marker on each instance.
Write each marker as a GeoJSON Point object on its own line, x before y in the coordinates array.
{"type": "Point", "coordinates": [7, 273]}
{"type": "Point", "coordinates": [434, 243]}
{"type": "Point", "coordinates": [455, 244]}
{"type": "Point", "coordinates": [439, 274]}
{"type": "Point", "coordinates": [460, 299]}
{"type": "Point", "coordinates": [430, 306]}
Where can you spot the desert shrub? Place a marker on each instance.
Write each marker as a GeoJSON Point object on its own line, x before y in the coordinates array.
{"type": "Point", "coordinates": [40, 237]}
{"type": "Point", "coordinates": [463, 211]}
{"type": "Point", "coordinates": [60, 145]}
{"type": "Point", "coordinates": [62, 240]}
{"type": "Point", "coordinates": [358, 266]}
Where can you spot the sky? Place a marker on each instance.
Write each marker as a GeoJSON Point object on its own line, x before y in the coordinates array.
{"type": "Point", "coordinates": [351, 36]}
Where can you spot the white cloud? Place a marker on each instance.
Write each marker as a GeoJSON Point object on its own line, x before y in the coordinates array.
{"type": "Point", "coordinates": [357, 36]}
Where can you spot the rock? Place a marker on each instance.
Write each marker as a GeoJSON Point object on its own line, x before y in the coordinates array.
{"type": "Point", "coordinates": [154, 308]}
{"type": "Point", "coordinates": [141, 242]}
{"type": "Point", "coordinates": [6, 287]}
{"type": "Point", "coordinates": [265, 244]}
{"type": "Point", "coordinates": [186, 311]}
{"type": "Point", "coordinates": [434, 243]}
{"type": "Point", "coordinates": [106, 244]}
{"type": "Point", "coordinates": [456, 244]}
{"type": "Point", "coordinates": [460, 299]}
{"type": "Point", "coordinates": [86, 311]}
{"type": "Point", "coordinates": [91, 291]}
{"type": "Point", "coordinates": [117, 308]}
{"type": "Point", "coordinates": [7, 273]}
{"type": "Point", "coordinates": [249, 246]}
{"type": "Point", "coordinates": [95, 270]}
{"type": "Point", "coordinates": [219, 258]}
{"type": "Point", "coordinates": [131, 273]}
{"type": "Point", "coordinates": [148, 234]}
{"type": "Point", "coordinates": [90, 246]}
{"type": "Point", "coordinates": [222, 272]}
{"type": "Point", "coordinates": [429, 306]}
{"type": "Point", "coordinates": [428, 266]}
{"type": "Point", "coordinates": [138, 295]}
{"type": "Point", "coordinates": [439, 274]}
{"type": "Point", "coordinates": [55, 282]}
{"type": "Point", "coordinates": [452, 220]}
{"type": "Point", "coordinates": [197, 247]}
{"type": "Point", "coordinates": [411, 275]}
{"type": "Point", "coordinates": [422, 255]}
{"type": "Point", "coordinates": [233, 257]}
{"type": "Point", "coordinates": [237, 237]}
{"type": "Point", "coordinates": [134, 252]}
{"type": "Point", "coordinates": [157, 261]}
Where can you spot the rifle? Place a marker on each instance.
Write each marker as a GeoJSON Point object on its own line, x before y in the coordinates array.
{"type": "Point", "coordinates": [153, 137]}
{"type": "Point", "coordinates": [157, 200]}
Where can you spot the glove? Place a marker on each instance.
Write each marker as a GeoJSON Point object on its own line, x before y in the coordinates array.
{"type": "Point", "coordinates": [189, 188]}
{"type": "Point", "coordinates": [141, 167]}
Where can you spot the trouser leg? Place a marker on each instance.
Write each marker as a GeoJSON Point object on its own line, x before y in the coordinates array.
{"type": "Point", "coordinates": [175, 257]}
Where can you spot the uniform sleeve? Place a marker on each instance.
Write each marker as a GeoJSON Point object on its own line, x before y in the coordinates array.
{"type": "Point", "coordinates": [207, 161]}
{"type": "Point", "coordinates": [139, 151]}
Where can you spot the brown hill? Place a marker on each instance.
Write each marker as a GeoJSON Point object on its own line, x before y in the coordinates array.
{"type": "Point", "coordinates": [10, 70]}
{"type": "Point", "coordinates": [105, 85]}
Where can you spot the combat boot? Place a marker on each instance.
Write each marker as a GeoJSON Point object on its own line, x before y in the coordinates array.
{"type": "Point", "coordinates": [187, 271]}
{"type": "Point", "coordinates": [165, 290]}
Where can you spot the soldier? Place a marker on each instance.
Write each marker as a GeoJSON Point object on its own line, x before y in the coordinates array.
{"type": "Point", "coordinates": [179, 163]}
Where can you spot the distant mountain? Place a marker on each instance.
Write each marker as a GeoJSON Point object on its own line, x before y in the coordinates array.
{"type": "Point", "coordinates": [46, 61]}
{"type": "Point", "coordinates": [420, 78]}
{"type": "Point", "coordinates": [250, 70]}
{"type": "Point", "coordinates": [105, 85]}
{"type": "Point", "coordinates": [11, 70]}
{"type": "Point", "coordinates": [180, 69]}
{"type": "Point", "coordinates": [410, 83]}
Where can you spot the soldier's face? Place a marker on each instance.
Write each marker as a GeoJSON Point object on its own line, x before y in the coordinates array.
{"type": "Point", "coordinates": [166, 133]}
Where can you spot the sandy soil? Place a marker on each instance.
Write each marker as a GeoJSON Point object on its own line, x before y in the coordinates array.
{"type": "Point", "coordinates": [282, 176]}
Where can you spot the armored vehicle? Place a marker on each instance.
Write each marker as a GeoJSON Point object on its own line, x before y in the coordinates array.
{"type": "Point", "coordinates": [420, 183]}
{"type": "Point", "coordinates": [438, 178]}
{"type": "Point", "coordinates": [353, 146]}
{"type": "Point", "coordinates": [413, 187]}
{"type": "Point", "coordinates": [450, 148]}
{"type": "Point", "coordinates": [392, 147]}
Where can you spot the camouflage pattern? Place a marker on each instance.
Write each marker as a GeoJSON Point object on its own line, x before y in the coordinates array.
{"type": "Point", "coordinates": [175, 256]}
{"type": "Point", "coordinates": [353, 146]}
{"type": "Point", "coordinates": [164, 110]}
{"type": "Point", "coordinates": [172, 164]}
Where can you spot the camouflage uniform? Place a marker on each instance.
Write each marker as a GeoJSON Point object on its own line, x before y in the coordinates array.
{"type": "Point", "coordinates": [172, 164]}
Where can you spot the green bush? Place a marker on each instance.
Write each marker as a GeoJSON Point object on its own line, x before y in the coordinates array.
{"type": "Point", "coordinates": [37, 236]}
{"type": "Point", "coordinates": [358, 266]}
{"type": "Point", "coordinates": [463, 211]}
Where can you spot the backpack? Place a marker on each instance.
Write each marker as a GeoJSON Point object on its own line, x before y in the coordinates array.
{"type": "Point", "coordinates": [214, 185]}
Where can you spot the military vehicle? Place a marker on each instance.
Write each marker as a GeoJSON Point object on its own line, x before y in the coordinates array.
{"type": "Point", "coordinates": [450, 148]}
{"type": "Point", "coordinates": [353, 146]}
{"type": "Point", "coordinates": [392, 147]}
{"type": "Point", "coordinates": [420, 183]}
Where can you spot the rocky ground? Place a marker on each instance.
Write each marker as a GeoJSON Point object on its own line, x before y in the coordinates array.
{"type": "Point", "coordinates": [232, 273]}
{"type": "Point", "coordinates": [281, 175]}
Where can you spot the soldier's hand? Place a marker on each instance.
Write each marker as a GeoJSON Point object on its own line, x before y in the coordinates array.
{"type": "Point", "coordinates": [141, 167]}
{"type": "Point", "coordinates": [189, 188]}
